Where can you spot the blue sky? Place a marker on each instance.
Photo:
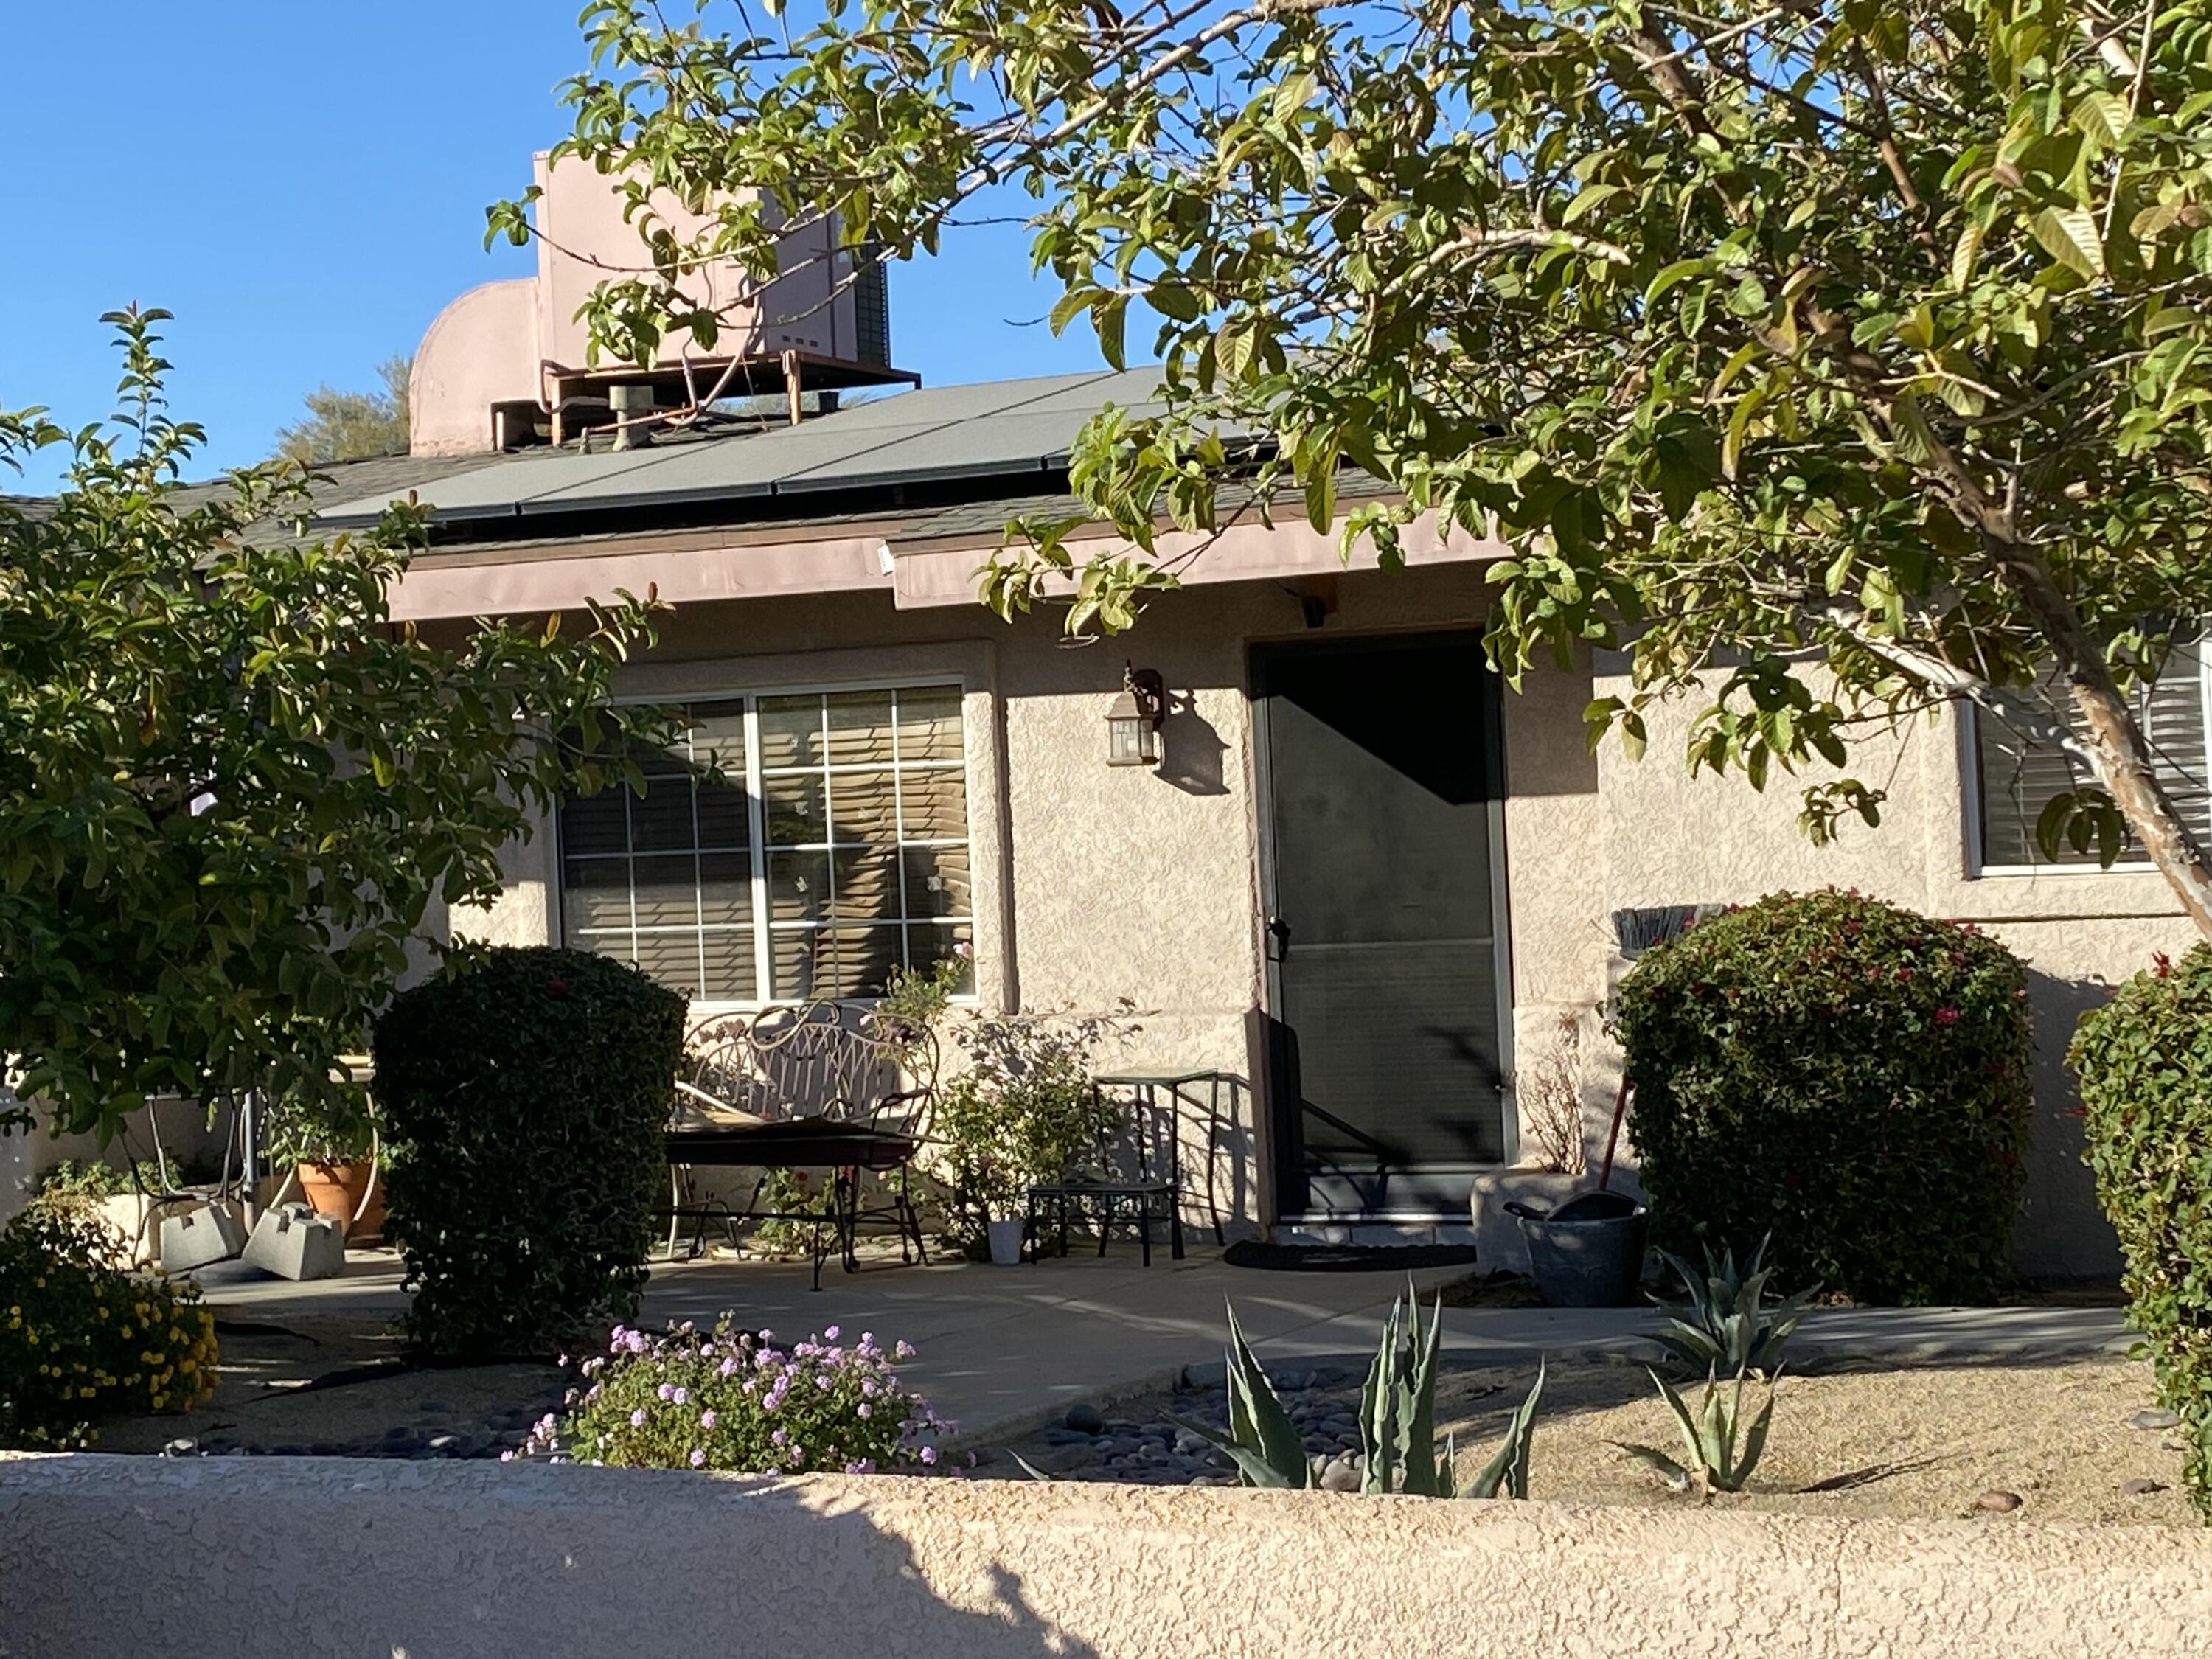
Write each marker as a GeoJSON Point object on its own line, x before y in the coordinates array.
{"type": "Point", "coordinates": [304, 185]}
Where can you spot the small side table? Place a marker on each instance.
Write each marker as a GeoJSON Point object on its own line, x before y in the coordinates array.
{"type": "Point", "coordinates": [1182, 1088]}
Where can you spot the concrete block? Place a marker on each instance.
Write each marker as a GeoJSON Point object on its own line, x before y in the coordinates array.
{"type": "Point", "coordinates": [292, 1241]}
{"type": "Point", "coordinates": [197, 1237]}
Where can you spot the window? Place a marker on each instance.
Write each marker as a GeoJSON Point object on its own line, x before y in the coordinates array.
{"type": "Point", "coordinates": [835, 851]}
{"type": "Point", "coordinates": [2018, 778]}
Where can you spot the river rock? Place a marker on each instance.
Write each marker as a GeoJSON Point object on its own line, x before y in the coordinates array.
{"type": "Point", "coordinates": [1340, 1476]}
{"type": "Point", "coordinates": [1998, 1503]}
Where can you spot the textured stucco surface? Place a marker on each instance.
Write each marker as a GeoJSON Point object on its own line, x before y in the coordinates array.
{"type": "Point", "coordinates": [119, 1556]}
{"type": "Point", "coordinates": [1095, 884]}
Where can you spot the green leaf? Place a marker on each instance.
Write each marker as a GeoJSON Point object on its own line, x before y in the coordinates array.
{"type": "Point", "coordinates": [1965, 254]}
{"type": "Point", "coordinates": [1677, 1476]}
{"type": "Point", "coordinates": [1587, 200]}
{"type": "Point", "coordinates": [2070, 236]}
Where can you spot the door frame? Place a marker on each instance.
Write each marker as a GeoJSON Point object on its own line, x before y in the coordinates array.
{"type": "Point", "coordinates": [1282, 1140]}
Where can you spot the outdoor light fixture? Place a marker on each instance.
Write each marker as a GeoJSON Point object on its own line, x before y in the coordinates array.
{"type": "Point", "coordinates": [1132, 724]}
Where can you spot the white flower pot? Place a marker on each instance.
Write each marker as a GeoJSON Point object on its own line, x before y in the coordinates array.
{"type": "Point", "coordinates": [1005, 1242]}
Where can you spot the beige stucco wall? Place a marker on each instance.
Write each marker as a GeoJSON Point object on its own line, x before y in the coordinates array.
{"type": "Point", "coordinates": [1096, 883]}
{"type": "Point", "coordinates": [297, 1558]}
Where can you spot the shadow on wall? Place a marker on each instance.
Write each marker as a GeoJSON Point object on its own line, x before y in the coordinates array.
{"type": "Point", "coordinates": [536, 1560]}
{"type": "Point", "coordinates": [2061, 1233]}
{"type": "Point", "coordinates": [1191, 752]}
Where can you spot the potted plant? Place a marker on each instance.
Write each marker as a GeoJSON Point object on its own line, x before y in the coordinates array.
{"type": "Point", "coordinates": [331, 1145]}
{"type": "Point", "coordinates": [1021, 1112]}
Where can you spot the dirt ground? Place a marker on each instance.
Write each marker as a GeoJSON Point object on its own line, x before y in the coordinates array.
{"type": "Point", "coordinates": [329, 1386]}
{"type": "Point", "coordinates": [1919, 1443]}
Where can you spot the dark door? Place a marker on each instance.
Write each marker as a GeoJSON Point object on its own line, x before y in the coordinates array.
{"type": "Point", "coordinates": [1386, 950]}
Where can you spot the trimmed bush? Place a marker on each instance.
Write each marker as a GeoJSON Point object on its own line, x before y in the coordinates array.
{"type": "Point", "coordinates": [527, 1096]}
{"type": "Point", "coordinates": [1845, 1075]}
{"type": "Point", "coordinates": [83, 1341]}
{"type": "Point", "coordinates": [2145, 1063]}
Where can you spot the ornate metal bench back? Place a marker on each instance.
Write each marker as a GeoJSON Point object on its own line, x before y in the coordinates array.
{"type": "Point", "coordinates": [822, 1060]}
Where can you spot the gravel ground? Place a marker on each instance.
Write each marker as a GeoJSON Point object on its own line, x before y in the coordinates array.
{"type": "Point", "coordinates": [2072, 1442]}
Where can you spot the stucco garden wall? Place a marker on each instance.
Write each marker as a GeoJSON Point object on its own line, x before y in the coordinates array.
{"type": "Point", "coordinates": [302, 1558]}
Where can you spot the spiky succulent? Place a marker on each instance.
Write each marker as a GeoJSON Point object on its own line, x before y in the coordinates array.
{"type": "Point", "coordinates": [1725, 1328]}
{"type": "Point", "coordinates": [1715, 1461]}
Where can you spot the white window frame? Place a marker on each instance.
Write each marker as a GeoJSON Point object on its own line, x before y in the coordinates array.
{"type": "Point", "coordinates": [763, 922]}
{"type": "Point", "coordinates": [1970, 780]}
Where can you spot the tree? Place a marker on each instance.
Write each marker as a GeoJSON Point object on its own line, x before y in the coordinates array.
{"type": "Point", "coordinates": [231, 791]}
{"type": "Point", "coordinates": [352, 426]}
{"type": "Point", "coordinates": [1765, 332]}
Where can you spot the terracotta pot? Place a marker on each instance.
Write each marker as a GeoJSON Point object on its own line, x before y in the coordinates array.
{"type": "Point", "coordinates": [336, 1189]}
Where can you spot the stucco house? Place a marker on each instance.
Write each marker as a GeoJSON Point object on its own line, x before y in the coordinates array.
{"type": "Point", "coordinates": [1361, 876]}
{"type": "Point", "coordinates": [1360, 880]}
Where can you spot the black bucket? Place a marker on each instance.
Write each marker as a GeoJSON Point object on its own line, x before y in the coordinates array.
{"type": "Point", "coordinates": [1589, 1253]}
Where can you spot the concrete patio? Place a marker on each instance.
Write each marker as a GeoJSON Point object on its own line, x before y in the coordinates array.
{"type": "Point", "coordinates": [1001, 1349]}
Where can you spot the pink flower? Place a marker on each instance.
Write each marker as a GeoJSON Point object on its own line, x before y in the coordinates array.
{"type": "Point", "coordinates": [928, 1454]}
{"type": "Point", "coordinates": [707, 1419]}
{"type": "Point", "coordinates": [831, 1334]}
{"type": "Point", "coordinates": [1946, 1015]}
{"type": "Point", "coordinates": [637, 1419]}
{"type": "Point", "coordinates": [697, 1457]}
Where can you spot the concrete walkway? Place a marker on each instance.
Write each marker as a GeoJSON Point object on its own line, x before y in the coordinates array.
{"type": "Point", "coordinates": [1002, 1349]}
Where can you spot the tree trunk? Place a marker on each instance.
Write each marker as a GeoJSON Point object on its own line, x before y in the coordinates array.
{"type": "Point", "coordinates": [2114, 738]}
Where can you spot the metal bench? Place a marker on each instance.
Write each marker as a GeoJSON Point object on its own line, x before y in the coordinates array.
{"type": "Point", "coordinates": [825, 1085]}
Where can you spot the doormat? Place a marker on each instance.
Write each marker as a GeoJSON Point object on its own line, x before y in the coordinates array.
{"type": "Point", "coordinates": [1345, 1257]}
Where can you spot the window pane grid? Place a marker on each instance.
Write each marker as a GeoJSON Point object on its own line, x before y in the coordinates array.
{"type": "Point", "coordinates": [854, 807]}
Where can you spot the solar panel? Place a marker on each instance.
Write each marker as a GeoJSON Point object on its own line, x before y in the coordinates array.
{"type": "Point", "coordinates": [992, 429]}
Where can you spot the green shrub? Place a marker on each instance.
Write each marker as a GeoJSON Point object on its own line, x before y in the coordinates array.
{"type": "Point", "coordinates": [2145, 1063]}
{"type": "Point", "coordinates": [526, 1098]}
{"type": "Point", "coordinates": [1845, 1075]}
{"type": "Point", "coordinates": [1021, 1111]}
{"type": "Point", "coordinates": [83, 1341]}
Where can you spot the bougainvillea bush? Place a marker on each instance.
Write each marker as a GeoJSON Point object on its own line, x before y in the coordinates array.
{"type": "Point", "coordinates": [2145, 1063]}
{"type": "Point", "coordinates": [1845, 1075]}
{"type": "Point", "coordinates": [83, 1341]}
{"type": "Point", "coordinates": [732, 1400]}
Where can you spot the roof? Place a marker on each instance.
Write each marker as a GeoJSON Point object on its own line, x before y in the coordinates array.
{"type": "Point", "coordinates": [1009, 436]}
{"type": "Point", "coordinates": [386, 477]}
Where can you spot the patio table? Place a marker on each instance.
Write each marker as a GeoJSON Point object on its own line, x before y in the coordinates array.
{"type": "Point", "coordinates": [802, 1143]}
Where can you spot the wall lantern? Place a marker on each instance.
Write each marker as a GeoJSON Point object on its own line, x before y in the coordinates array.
{"type": "Point", "coordinates": [1132, 724]}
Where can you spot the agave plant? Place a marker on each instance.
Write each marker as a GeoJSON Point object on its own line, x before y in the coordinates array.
{"type": "Point", "coordinates": [1725, 1328]}
{"type": "Point", "coordinates": [1262, 1441]}
{"type": "Point", "coordinates": [1715, 1461]}
{"type": "Point", "coordinates": [1397, 1418]}
{"type": "Point", "coordinates": [1509, 1465]}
